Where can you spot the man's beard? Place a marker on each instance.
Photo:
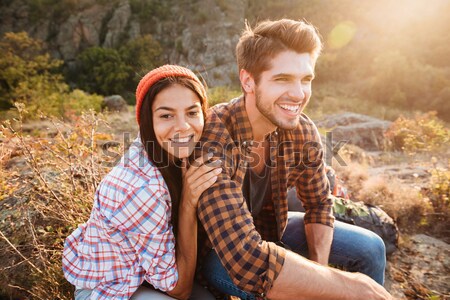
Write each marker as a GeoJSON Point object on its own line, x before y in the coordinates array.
{"type": "Point", "coordinates": [268, 113]}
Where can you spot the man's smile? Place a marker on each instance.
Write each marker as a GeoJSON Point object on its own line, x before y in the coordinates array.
{"type": "Point", "coordinates": [295, 108]}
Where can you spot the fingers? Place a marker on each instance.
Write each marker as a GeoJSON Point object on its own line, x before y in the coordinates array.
{"type": "Point", "coordinates": [201, 160]}
{"type": "Point", "coordinates": [199, 167]}
{"type": "Point", "coordinates": [197, 182]}
{"type": "Point", "coordinates": [194, 175]}
{"type": "Point", "coordinates": [205, 181]}
{"type": "Point", "coordinates": [201, 175]}
{"type": "Point", "coordinates": [197, 163]}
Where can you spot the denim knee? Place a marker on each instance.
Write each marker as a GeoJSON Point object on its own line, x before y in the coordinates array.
{"type": "Point", "coordinates": [376, 252]}
{"type": "Point", "coordinates": [374, 258]}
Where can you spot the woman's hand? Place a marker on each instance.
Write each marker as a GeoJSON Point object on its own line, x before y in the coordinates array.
{"type": "Point", "coordinates": [201, 175]}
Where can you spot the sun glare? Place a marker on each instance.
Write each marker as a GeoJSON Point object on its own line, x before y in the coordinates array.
{"type": "Point", "coordinates": [341, 35]}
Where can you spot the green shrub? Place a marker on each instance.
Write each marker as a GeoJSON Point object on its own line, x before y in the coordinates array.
{"type": "Point", "coordinates": [79, 101]}
{"type": "Point", "coordinates": [27, 73]}
{"type": "Point", "coordinates": [108, 71]}
{"type": "Point", "coordinates": [29, 76]}
{"type": "Point", "coordinates": [424, 133]}
{"type": "Point", "coordinates": [101, 71]}
{"type": "Point", "coordinates": [142, 55]}
{"type": "Point", "coordinates": [439, 192]}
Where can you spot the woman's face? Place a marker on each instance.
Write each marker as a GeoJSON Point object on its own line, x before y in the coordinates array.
{"type": "Point", "coordinates": [177, 120]}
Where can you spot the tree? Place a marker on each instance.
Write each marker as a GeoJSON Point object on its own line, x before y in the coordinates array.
{"type": "Point", "coordinates": [30, 76]}
{"type": "Point", "coordinates": [110, 71]}
{"type": "Point", "coordinates": [27, 73]}
{"type": "Point", "coordinates": [142, 54]}
{"type": "Point", "coordinates": [101, 70]}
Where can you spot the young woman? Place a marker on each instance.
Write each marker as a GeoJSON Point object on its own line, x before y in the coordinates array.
{"type": "Point", "coordinates": [140, 241]}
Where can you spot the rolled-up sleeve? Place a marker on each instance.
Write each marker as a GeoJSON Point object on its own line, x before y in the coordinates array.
{"type": "Point", "coordinates": [312, 185]}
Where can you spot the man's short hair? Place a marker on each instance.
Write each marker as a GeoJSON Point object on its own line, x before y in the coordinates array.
{"type": "Point", "coordinates": [258, 46]}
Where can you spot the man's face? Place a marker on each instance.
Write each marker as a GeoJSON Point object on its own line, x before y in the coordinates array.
{"type": "Point", "coordinates": [284, 90]}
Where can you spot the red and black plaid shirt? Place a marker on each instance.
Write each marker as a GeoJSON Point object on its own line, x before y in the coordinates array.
{"type": "Point", "coordinates": [246, 246]}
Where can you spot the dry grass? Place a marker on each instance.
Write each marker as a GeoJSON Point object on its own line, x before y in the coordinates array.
{"type": "Point", "coordinates": [403, 203]}
{"type": "Point", "coordinates": [355, 170]}
{"type": "Point", "coordinates": [418, 203]}
{"type": "Point", "coordinates": [47, 187]}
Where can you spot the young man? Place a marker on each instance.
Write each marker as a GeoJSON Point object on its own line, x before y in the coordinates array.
{"type": "Point", "coordinates": [268, 145]}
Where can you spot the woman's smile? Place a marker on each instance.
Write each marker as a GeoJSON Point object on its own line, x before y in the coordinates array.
{"type": "Point", "coordinates": [177, 120]}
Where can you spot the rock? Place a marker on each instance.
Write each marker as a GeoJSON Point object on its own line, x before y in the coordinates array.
{"type": "Point", "coordinates": [114, 103]}
{"type": "Point", "coordinates": [344, 119]}
{"type": "Point", "coordinates": [405, 172]}
{"type": "Point", "coordinates": [207, 44]}
{"type": "Point", "coordinates": [117, 24]}
{"type": "Point", "coordinates": [360, 130]}
{"type": "Point", "coordinates": [79, 31]}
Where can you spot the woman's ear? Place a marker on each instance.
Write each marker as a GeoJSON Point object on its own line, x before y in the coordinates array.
{"type": "Point", "coordinates": [247, 81]}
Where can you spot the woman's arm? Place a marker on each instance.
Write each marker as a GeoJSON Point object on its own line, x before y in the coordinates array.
{"type": "Point", "coordinates": [196, 179]}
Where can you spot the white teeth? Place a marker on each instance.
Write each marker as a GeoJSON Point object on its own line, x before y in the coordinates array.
{"type": "Point", "coordinates": [182, 140]}
{"type": "Point", "coordinates": [292, 108]}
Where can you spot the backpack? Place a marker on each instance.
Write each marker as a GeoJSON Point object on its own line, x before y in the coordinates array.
{"type": "Point", "coordinates": [370, 217]}
{"type": "Point", "coordinates": [364, 215]}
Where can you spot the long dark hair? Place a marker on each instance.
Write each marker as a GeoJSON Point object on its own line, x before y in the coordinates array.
{"type": "Point", "coordinates": [169, 168]}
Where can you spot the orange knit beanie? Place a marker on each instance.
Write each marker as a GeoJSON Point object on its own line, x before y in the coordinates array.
{"type": "Point", "coordinates": [154, 76]}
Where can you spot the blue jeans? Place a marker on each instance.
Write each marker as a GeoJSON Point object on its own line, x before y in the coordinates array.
{"type": "Point", "coordinates": [354, 248]}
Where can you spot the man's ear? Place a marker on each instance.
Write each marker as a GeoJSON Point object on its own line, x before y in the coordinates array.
{"type": "Point", "coordinates": [247, 81]}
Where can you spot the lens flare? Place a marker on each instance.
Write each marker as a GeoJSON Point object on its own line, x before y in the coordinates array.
{"type": "Point", "coordinates": [341, 35]}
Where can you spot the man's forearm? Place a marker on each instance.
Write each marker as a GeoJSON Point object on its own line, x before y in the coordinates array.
{"type": "Point", "coordinates": [304, 279]}
{"type": "Point", "coordinates": [319, 238]}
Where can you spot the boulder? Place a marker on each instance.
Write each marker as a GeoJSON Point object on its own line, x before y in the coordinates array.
{"type": "Point", "coordinates": [114, 103]}
{"type": "Point", "coordinates": [360, 130]}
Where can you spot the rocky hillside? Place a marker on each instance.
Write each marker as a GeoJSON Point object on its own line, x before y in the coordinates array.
{"type": "Point", "coordinates": [198, 34]}
{"type": "Point", "coordinates": [371, 47]}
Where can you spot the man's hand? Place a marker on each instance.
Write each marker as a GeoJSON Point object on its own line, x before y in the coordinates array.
{"type": "Point", "coordinates": [367, 288]}
{"type": "Point", "coordinates": [302, 279]}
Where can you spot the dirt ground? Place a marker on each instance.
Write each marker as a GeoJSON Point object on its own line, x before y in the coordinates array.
{"type": "Point", "coordinates": [420, 269]}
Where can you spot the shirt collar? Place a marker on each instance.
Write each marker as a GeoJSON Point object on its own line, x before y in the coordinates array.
{"type": "Point", "coordinates": [243, 123]}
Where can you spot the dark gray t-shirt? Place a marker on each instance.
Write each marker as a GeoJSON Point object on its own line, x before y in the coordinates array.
{"type": "Point", "coordinates": [257, 189]}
